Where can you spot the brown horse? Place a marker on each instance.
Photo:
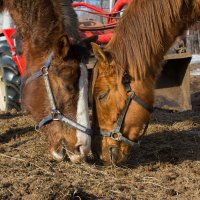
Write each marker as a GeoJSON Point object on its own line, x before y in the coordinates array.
{"type": "Point", "coordinates": [126, 71]}
{"type": "Point", "coordinates": [49, 33]}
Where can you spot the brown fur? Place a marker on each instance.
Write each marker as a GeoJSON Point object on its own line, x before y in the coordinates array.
{"type": "Point", "coordinates": [145, 33]}
{"type": "Point", "coordinates": [45, 26]}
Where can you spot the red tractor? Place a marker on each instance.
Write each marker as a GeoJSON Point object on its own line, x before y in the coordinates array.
{"type": "Point", "coordinates": [12, 67]}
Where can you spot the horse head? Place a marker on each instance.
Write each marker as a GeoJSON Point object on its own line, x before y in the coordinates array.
{"type": "Point", "coordinates": [122, 108]}
{"type": "Point", "coordinates": [68, 84]}
{"type": "Point", "coordinates": [126, 71]}
{"type": "Point", "coordinates": [54, 90]}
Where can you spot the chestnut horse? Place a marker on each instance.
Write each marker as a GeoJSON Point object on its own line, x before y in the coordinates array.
{"type": "Point", "coordinates": [125, 74]}
{"type": "Point", "coordinates": [55, 81]}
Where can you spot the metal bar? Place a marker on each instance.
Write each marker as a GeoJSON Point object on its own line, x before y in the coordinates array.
{"type": "Point", "coordinates": [90, 7]}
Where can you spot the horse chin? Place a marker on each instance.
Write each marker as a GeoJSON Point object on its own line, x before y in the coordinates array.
{"type": "Point", "coordinates": [113, 156]}
{"type": "Point", "coordinates": [77, 158]}
{"type": "Point", "coordinates": [59, 156]}
{"type": "Point", "coordinates": [84, 150]}
{"type": "Point", "coordinates": [79, 155]}
{"type": "Point", "coordinates": [110, 152]}
{"type": "Point", "coordinates": [74, 158]}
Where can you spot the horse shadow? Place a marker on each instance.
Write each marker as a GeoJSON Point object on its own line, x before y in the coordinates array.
{"type": "Point", "coordinates": [195, 98]}
{"type": "Point", "coordinates": [166, 147]}
{"type": "Point", "coordinates": [169, 117]}
{"type": "Point", "coordinates": [9, 115]}
{"type": "Point", "coordinates": [78, 193]}
{"type": "Point", "coordinates": [14, 133]}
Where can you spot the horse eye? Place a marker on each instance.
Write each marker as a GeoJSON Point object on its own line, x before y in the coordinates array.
{"type": "Point", "coordinates": [102, 95]}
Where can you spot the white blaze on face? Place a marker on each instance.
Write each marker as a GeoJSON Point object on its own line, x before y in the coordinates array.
{"type": "Point", "coordinates": [83, 112]}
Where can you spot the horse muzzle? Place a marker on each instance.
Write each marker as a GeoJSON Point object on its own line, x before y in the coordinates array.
{"type": "Point", "coordinates": [113, 154]}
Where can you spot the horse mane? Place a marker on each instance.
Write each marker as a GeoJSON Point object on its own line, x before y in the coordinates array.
{"type": "Point", "coordinates": [42, 22]}
{"type": "Point", "coordinates": [145, 33]}
{"type": "Point", "coordinates": [1, 5]}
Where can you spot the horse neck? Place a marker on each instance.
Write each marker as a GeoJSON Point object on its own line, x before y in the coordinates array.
{"type": "Point", "coordinates": [146, 32]}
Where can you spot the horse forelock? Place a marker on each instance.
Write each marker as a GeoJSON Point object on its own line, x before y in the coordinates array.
{"type": "Point", "coordinates": [146, 25]}
{"type": "Point", "coordinates": [83, 110]}
{"type": "Point", "coordinates": [78, 52]}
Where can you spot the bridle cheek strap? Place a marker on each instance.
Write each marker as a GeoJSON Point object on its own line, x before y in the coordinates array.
{"type": "Point", "coordinates": [55, 113]}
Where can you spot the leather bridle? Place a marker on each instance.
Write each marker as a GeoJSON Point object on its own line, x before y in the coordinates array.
{"type": "Point", "coordinates": [55, 114]}
{"type": "Point", "coordinates": [116, 133]}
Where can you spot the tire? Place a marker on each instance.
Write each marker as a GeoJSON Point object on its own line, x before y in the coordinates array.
{"type": "Point", "coordinates": [9, 80]}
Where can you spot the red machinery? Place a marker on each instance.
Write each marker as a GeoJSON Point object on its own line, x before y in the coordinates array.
{"type": "Point", "coordinates": [19, 60]}
{"type": "Point", "coordinates": [103, 31]}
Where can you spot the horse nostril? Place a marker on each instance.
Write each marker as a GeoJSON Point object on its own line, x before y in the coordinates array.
{"type": "Point", "coordinates": [113, 152]}
{"type": "Point", "coordinates": [77, 149]}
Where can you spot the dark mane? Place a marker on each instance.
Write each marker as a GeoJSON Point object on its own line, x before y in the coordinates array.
{"type": "Point", "coordinates": [145, 26]}
{"type": "Point", "coordinates": [78, 52]}
{"type": "Point", "coordinates": [1, 5]}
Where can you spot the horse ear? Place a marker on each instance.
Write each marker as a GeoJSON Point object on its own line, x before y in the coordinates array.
{"type": "Point", "coordinates": [98, 53]}
{"type": "Point", "coordinates": [62, 46]}
{"type": "Point", "coordinates": [89, 40]}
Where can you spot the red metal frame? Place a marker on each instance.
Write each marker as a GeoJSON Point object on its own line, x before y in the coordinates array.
{"type": "Point", "coordinates": [116, 8]}
{"type": "Point", "coordinates": [105, 35]}
{"type": "Point", "coordinates": [19, 60]}
{"type": "Point", "coordinates": [99, 10]}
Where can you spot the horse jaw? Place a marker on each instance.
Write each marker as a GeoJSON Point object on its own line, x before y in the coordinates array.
{"type": "Point", "coordinates": [57, 156]}
{"type": "Point", "coordinates": [83, 140]}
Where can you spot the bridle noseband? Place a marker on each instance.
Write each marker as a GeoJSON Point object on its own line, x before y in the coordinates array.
{"type": "Point", "coordinates": [116, 133]}
{"type": "Point", "coordinates": [55, 114]}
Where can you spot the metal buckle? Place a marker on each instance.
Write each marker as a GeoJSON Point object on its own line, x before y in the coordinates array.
{"type": "Point", "coordinates": [116, 136]}
{"type": "Point", "coordinates": [44, 70]}
{"type": "Point", "coordinates": [37, 128]}
{"type": "Point", "coordinates": [55, 115]}
{"type": "Point", "coordinates": [132, 94]}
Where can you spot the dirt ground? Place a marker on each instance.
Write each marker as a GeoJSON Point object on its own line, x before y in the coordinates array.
{"type": "Point", "coordinates": [165, 166]}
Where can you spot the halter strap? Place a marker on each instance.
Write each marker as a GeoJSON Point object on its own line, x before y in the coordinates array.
{"type": "Point", "coordinates": [55, 113]}
{"type": "Point", "coordinates": [126, 82]}
{"type": "Point", "coordinates": [40, 72]}
{"type": "Point", "coordinates": [63, 119]}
